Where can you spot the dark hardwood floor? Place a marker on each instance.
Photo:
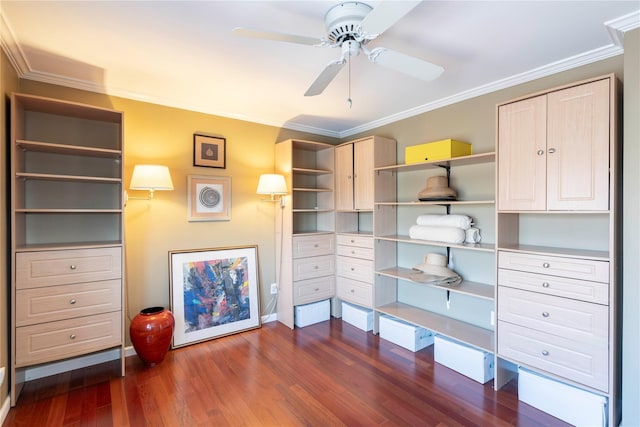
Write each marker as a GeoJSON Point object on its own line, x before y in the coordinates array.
{"type": "Point", "coordinates": [328, 374]}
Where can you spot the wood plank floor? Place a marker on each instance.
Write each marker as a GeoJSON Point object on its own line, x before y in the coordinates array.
{"type": "Point", "coordinates": [328, 374]}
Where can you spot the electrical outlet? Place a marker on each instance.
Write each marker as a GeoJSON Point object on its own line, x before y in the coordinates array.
{"type": "Point", "coordinates": [274, 288]}
{"type": "Point", "coordinates": [493, 318]}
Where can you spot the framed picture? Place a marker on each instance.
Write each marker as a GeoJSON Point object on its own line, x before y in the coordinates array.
{"type": "Point", "coordinates": [214, 292]}
{"type": "Point", "coordinates": [209, 151]}
{"type": "Point", "coordinates": [209, 198]}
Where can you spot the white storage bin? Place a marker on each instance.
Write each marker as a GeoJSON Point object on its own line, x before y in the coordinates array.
{"type": "Point", "coordinates": [404, 334]}
{"type": "Point", "coordinates": [472, 362]}
{"type": "Point", "coordinates": [563, 401]}
{"type": "Point", "coordinates": [359, 317]}
{"type": "Point", "coordinates": [316, 312]}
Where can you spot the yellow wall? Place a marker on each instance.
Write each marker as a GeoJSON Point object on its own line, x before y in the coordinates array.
{"type": "Point", "coordinates": [163, 135]}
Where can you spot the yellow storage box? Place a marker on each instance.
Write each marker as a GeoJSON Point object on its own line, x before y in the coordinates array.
{"type": "Point", "coordinates": [438, 150]}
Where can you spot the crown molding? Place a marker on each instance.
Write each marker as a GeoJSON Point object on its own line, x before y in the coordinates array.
{"type": "Point", "coordinates": [617, 27]}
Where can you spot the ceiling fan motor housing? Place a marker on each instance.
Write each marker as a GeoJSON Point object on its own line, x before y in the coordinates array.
{"type": "Point", "coordinates": [343, 20]}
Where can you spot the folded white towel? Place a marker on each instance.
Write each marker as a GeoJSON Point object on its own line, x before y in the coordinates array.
{"type": "Point", "coordinates": [460, 221]}
{"type": "Point", "coordinates": [437, 234]}
{"type": "Point", "coordinates": [472, 235]}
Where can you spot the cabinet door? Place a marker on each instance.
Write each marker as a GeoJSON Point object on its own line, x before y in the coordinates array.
{"type": "Point", "coordinates": [521, 155]}
{"type": "Point", "coordinates": [578, 148]}
{"type": "Point", "coordinates": [344, 177]}
{"type": "Point", "coordinates": [363, 164]}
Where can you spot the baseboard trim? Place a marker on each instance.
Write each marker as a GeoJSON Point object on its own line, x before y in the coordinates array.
{"type": "Point", "coordinates": [4, 411]}
{"type": "Point", "coordinates": [270, 318]}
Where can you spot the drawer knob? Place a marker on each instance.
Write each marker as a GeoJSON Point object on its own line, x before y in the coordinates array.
{"type": "Point", "coordinates": [545, 284]}
{"type": "Point", "coordinates": [353, 241]}
{"type": "Point", "coordinates": [352, 291]}
{"type": "Point", "coordinates": [545, 265]}
{"type": "Point", "coordinates": [315, 246]}
{"type": "Point", "coordinates": [540, 152]}
{"type": "Point", "coordinates": [545, 314]}
{"type": "Point", "coordinates": [353, 252]}
{"type": "Point", "coordinates": [316, 267]}
{"type": "Point", "coordinates": [73, 301]}
{"type": "Point", "coordinates": [72, 266]}
{"type": "Point", "coordinates": [544, 353]}
{"type": "Point", "coordinates": [551, 150]}
{"type": "Point", "coordinates": [353, 269]}
{"type": "Point", "coordinates": [72, 336]}
{"type": "Point", "coordinates": [316, 289]}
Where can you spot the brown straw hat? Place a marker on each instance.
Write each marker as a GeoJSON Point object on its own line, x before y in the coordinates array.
{"type": "Point", "coordinates": [437, 189]}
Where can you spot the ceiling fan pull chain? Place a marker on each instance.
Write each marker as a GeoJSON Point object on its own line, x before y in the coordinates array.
{"type": "Point", "coordinates": [349, 65]}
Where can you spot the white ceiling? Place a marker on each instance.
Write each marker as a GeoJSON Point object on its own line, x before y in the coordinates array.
{"type": "Point", "coordinates": [183, 54]}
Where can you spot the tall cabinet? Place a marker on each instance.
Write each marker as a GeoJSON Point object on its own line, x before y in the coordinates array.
{"type": "Point", "coordinates": [356, 188]}
{"type": "Point", "coordinates": [557, 299]}
{"type": "Point", "coordinates": [305, 226]}
{"type": "Point", "coordinates": [67, 294]}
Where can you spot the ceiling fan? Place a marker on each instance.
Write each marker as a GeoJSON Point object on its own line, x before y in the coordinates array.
{"type": "Point", "coordinates": [350, 26]}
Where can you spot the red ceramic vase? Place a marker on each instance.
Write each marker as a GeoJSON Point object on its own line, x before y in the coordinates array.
{"type": "Point", "coordinates": [151, 332]}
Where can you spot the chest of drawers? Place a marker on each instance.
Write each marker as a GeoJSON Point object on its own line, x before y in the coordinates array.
{"type": "Point", "coordinates": [313, 268]}
{"type": "Point", "coordinates": [355, 269]}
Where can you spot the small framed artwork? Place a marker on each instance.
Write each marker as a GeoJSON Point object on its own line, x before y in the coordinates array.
{"type": "Point", "coordinates": [214, 292]}
{"type": "Point", "coordinates": [209, 151]}
{"type": "Point", "coordinates": [209, 198]}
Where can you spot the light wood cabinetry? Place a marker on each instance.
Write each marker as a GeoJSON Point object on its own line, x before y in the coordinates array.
{"type": "Point", "coordinates": [394, 276]}
{"type": "Point", "coordinates": [67, 233]}
{"type": "Point", "coordinates": [550, 156]}
{"type": "Point", "coordinates": [557, 299]}
{"type": "Point", "coordinates": [305, 225]}
{"type": "Point", "coordinates": [356, 188]}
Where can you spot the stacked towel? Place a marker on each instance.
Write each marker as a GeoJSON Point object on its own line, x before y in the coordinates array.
{"type": "Point", "coordinates": [445, 228]}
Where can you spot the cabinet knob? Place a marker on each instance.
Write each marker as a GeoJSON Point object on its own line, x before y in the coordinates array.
{"type": "Point", "coordinates": [544, 353]}
{"type": "Point", "coordinates": [545, 265]}
{"type": "Point", "coordinates": [353, 241]}
{"type": "Point", "coordinates": [72, 336]}
{"type": "Point", "coordinates": [352, 291]}
{"type": "Point", "coordinates": [316, 245]}
{"type": "Point", "coordinates": [353, 269]}
{"type": "Point", "coordinates": [349, 177]}
{"type": "Point", "coordinates": [316, 267]}
{"type": "Point", "coordinates": [545, 284]}
{"type": "Point", "coordinates": [73, 301]}
{"type": "Point", "coordinates": [551, 150]}
{"type": "Point", "coordinates": [545, 314]}
{"type": "Point", "coordinates": [316, 289]}
{"type": "Point", "coordinates": [72, 267]}
{"type": "Point", "coordinates": [540, 152]}
{"type": "Point", "coordinates": [353, 252]}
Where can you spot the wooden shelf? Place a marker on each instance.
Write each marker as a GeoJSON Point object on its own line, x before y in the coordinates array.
{"type": "Point", "coordinates": [305, 171]}
{"type": "Point", "coordinates": [67, 246]}
{"type": "Point", "coordinates": [461, 331]}
{"type": "Point", "coordinates": [70, 178]}
{"type": "Point", "coordinates": [310, 210]}
{"type": "Point", "coordinates": [456, 161]}
{"type": "Point", "coordinates": [69, 211]}
{"type": "Point", "coordinates": [312, 190]}
{"type": "Point", "coordinates": [47, 147]}
{"type": "Point", "coordinates": [475, 289]}
{"type": "Point", "coordinates": [486, 247]}
{"type": "Point", "coordinates": [438, 203]}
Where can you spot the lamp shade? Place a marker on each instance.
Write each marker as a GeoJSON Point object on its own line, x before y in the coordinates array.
{"type": "Point", "coordinates": [151, 177]}
{"type": "Point", "coordinates": [271, 183]}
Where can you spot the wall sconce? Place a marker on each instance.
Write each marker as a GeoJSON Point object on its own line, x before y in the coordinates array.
{"type": "Point", "coordinates": [273, 185]}
{"type": "Point", "coordinates": [150, 177]}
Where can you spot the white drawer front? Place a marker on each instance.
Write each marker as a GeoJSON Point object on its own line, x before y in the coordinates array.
{"type": "Point", "coordinates": [306, 246]}
{"type": "Point", "coordinates": [352, 240]}
{"type": "Point", "coordinates": [66, 301]}
{"type": "Point", "coordinates": [49, 268]}
{"type": "Point", "coordinates": [356, 252]}
{"type": "Point", "coordinates": [596, 292]}
{"type": "Point", "coordinates": [312, 290]}
{"type": "Point", "coordinates": [308, 268]}
{"type": "Point", "coordinates": [359, 293]}
{"type": "Point", "coordinates": [51, 341]}
{"type": "Point", "coordinates": [576, 320]}
{"type": "Point", "coordinates": [355, 268]}
{"type": "Point", "coordinates": [596, 271]}
{"type": "Point", "coordinates": [585, 364]}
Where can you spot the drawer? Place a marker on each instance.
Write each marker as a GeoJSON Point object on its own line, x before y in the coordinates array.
{"type": "Point", "coordinates": [356, 292]}
{"type": "Point", "coordinates": [355, 268]}
{"type": "Point", "coordinates": [312, 290]}
{"type": "Point", "coordinates": [308, 268]}
{"type": "Point", "coordinates": [584, 364]}
{"type": "Point", "coordinates": [50, 268]}
{"type": "Point", "coordinates": [596, 292]}
{"type": "Point", "coordinates": [53, 303]}
{"type": "Point", "coordinates": [47, 342]}
{"type": "Point", "coordinates": [584, 269]}
{"type": "Point", "coordinates": [356, 252]}
{"type": "Point", "coordinates": [353, 240]}
{"type": "Point", "coordinates": [306, 246]}
{"type": "Point", "coordinates": [579, 321]}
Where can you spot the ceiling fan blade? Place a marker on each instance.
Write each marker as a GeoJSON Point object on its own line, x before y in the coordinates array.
{"type": "Point", "coordinates": [384, 16]}
{"type": "Point", "coordinates": [406, 64]}
{"type": "Point", "coordinates": [280, 37]}
{"type": "Point", "coordinates": [326, 76]}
